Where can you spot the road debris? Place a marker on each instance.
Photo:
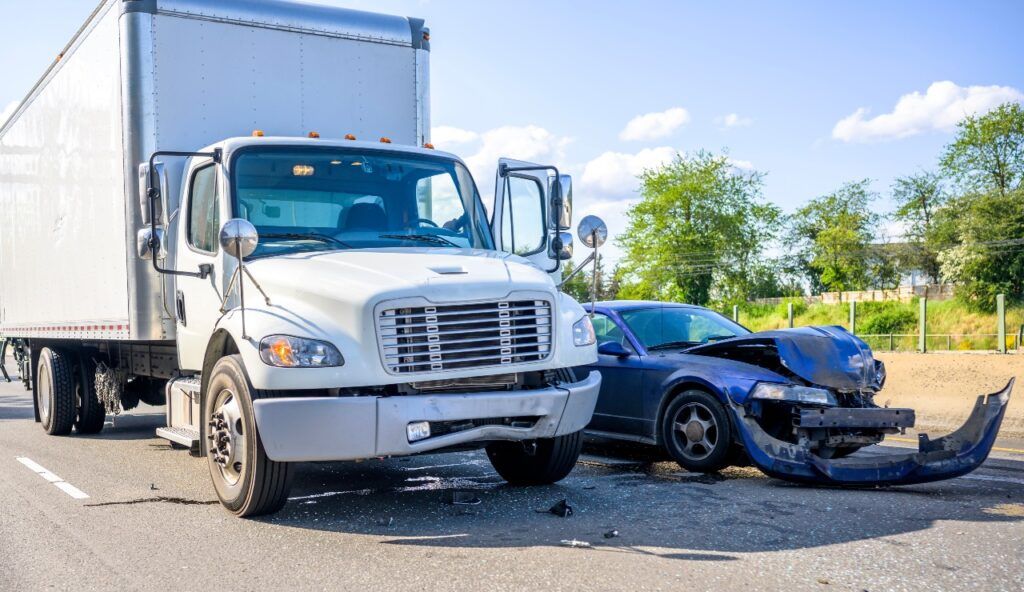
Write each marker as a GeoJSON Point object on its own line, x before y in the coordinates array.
{"type": "Point", "coordinates": [562, 509]}
{"type": "Point", "coordinates": [463, 498]}
{"type": "Point", "coordinates": [575, 544]}
{"type": "Point", "coordinates": [611, 534]}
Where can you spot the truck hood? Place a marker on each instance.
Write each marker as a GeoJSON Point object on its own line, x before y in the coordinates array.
{"type": "Point", "coordinates": [825, 356]}
{"type": "Point", "coordinates": [438, 274]}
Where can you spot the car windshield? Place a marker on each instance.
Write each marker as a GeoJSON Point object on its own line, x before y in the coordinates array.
{"type": "Point", "coordinates": [303, 200]}
{"type": "Point", "coordinates": [679, 327]}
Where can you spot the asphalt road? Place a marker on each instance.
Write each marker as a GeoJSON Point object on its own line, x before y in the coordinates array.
{"type": "Point", "coordinates": [151, 522]}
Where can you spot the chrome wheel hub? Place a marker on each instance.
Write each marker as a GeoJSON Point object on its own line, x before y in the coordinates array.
{"type": "Point", "coordinates": [227, 437]}
{"type": "Point", "coordinates": [696, 431]}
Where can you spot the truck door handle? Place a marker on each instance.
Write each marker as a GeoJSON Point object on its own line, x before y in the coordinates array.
{"type": "Point", "coordinates": [179, 305]}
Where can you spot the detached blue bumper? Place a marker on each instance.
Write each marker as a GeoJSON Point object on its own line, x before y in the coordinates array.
{"type": "Point", "coordinates": [950, 456]}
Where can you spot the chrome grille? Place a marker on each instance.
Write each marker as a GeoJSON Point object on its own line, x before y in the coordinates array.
{"type": "Point", "coordinates": [417, 339]}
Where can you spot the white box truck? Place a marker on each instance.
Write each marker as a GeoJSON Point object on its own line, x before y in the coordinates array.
{"type": "Point", "coordinates": [233, 208]}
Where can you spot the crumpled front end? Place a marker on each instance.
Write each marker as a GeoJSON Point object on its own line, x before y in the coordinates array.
{"type": "Point", "coordinates": [943, 458]}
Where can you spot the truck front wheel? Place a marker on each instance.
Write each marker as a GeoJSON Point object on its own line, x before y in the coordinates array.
{"type": "Point", "coordinates": [247, 482]}
{"type": "Point", "coordinates": [540, 462]}
{"type": "Point", "coordinates": [55, 392]}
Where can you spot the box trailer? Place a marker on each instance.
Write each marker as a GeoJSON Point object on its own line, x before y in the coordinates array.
{"type": "Point", "coordinates": [233, 208]}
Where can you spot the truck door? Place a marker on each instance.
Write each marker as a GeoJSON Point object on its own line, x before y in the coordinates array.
{"type": "Point", "coordinates": [521, 220]}
{"type": "Point", "coordinates": [197, 300]}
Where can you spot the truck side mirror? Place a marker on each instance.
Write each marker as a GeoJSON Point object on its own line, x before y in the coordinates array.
{"type": "Point", "coordinates": [561, 217]}
{"type": "Point", "coordinates": [161, 191]}
{"type": "Point", "coordinates": [592, 231]}
{"type": "Point", "coordinates": [565, 253]}
{"type": "Point", "coordinates": [239, 238]}
{"type": "Point", "coordinates": [144, 244]}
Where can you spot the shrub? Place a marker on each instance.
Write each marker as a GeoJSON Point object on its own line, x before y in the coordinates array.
{"type": "Point", "coordinates": [889, 320]}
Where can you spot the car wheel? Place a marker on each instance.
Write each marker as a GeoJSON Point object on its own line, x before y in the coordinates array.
{"type": "Point", "coordinates": [696, 432]}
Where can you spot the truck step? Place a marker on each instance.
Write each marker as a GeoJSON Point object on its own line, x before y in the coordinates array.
{"type": "Point", "coordinates": [185, 436]}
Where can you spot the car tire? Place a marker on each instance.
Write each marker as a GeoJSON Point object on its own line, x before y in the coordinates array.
{"type": "Point", "coordinates": [696, 432]}
{"type": "Point", "coordinates": [247, 482]}
{"type": "Point", "coordinates": [541, 462]}
{"type": "Point", "coordinates": [91, 414]}
{"type": "Point", "coordinates": [55, 392]}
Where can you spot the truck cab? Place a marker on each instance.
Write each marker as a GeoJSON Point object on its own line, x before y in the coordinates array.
{"type": "Point", "coordinates": [387, 313]}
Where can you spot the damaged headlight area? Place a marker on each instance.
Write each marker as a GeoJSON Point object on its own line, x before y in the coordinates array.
{"type": "Point", "coordinates": [793, 393]}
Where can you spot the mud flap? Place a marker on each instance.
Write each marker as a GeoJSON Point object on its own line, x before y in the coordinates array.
{"type": "Point", "coordinates": [950, 456]}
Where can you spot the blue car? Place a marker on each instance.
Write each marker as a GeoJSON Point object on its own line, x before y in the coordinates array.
{"type": "Point", "coordinates": [797, 402]}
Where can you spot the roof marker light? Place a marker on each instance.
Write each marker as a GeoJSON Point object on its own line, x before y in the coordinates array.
{"type": "Point", "coordinates": [314, 135]}
{"type": "Point", "coordinates": [428, 145]}
{"type": "Point", "coordinates": [385, 140]}
{"type": "Point", "coordinates": [257, 133]}
{"type": "Point", "coordinates": [349, 137]}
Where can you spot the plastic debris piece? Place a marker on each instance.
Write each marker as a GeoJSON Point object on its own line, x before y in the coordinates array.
{"type": "Point", "coordinates": [611, 534]}
{"type": "Point", "coordinates": [575, 544]}
{"type": "Point", "coordinates": [562, 509]}
{"type": "Point", "coordinates": [464, 498]}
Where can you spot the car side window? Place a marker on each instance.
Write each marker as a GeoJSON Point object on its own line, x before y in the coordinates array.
{"type": "Point", "coordinates": [204, 210]}
{"type": "Point", "coordinates": [607, 330]}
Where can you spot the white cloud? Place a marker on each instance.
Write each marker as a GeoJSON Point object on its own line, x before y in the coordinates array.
{"type": "Point", "coordinates": [613, 175]}
{"type": "Point", "coordinates": [743, 165]}
{"type": "Point", "coordinates": [938, 108]}
{"type": "Point", "coordinates": [529, 142]}
{"type": "Point", "coordinates": [651, 126]}
{"type": "Point", "coordinates": [8, 111]}
{"type": "Point", "coordinates": [733, 120]}
{"type": "Point", "coordinates": [446, 135]}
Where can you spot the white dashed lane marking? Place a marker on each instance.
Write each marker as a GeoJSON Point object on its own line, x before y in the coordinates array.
{"type": "Point", "coordinates": [60, 483]}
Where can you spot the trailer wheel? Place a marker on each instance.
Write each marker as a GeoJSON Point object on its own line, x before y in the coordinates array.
{"type": "Point", "coordinates": [55, 392]}
{"type": "Point", "coordinates": [697, 432]}
{"type": "Point", "coordinates": [542, 462]}
{"type": "Point", "coordinates": [247, 482]}
{"type": "Point", "coordinates": [91, 412]}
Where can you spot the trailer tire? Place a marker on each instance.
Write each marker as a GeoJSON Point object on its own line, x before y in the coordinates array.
{"type": "Point", "coordinates": [91, 414]}
{"type": "Point", "coordinates": [247, 482]}
{"type": "Point", "coordinates": [55, 392]}
{"type": "Point", "coordinates": [549, 461]}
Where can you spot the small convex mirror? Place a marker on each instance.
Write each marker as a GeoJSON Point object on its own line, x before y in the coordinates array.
{"type": "Point", "coordinates": [238, 238]}
{"type": "Point", "coordinates": [593, 232]}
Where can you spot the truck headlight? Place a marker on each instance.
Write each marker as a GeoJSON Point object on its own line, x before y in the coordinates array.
{"type": "Point", "coordinates": [285, 351]}
{"type": "Point", "coordinates": [583, 332]}
{"type": "Point", "coordinates": [793, 393]}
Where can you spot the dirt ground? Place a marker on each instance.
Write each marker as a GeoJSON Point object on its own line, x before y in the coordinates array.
{"type": "Point", "coordinates": [942, 387]}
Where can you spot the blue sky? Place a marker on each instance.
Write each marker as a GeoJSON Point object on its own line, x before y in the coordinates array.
{"type": "Point", "coordinates": [561, 82]}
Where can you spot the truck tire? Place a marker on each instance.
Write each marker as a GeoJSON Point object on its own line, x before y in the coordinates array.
{"type": "Point", "coordinates": [91, 414]}
{"type": "Point", "coordinates": [696, 432]}
{"type": "Point", "coordinates": [542, 462]}
{"type": "Point", "coordinates": [55, 392]}
{"type": "Point", "coordinates": [247, 482]}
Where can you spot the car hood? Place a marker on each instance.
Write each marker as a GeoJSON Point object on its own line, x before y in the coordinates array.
{"type": "Point", "coordinates": [827, 356]}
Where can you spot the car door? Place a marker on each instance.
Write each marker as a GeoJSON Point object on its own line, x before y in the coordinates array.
{"type": "Point", "coordinates": [197, 300]}
{"type": "Point", "coordinates": [620, 403]}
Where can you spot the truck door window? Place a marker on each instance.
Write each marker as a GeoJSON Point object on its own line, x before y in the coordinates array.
{"type": "Point", "coordinates": [203, 210]}
{"type": "Point", "coordinates": [522, 221]}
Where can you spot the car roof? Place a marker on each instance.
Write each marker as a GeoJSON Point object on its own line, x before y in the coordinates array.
{"type": "Point", "coordinates": [623, 305]}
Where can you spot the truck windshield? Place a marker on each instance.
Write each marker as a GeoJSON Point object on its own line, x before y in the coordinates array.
{"type": "Point", "coordinates": [303, 200]}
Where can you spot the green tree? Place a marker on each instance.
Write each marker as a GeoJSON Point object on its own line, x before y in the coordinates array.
{"type": "Point", "coordinates": [988, 152]}
{"type": "Point", "coordinates": [919, 198]}
{"type": "Point", "coordinates": [697, 233]}
{"type": "Point", "coordinates": [983, 226]}
{"type": "Point", "coordinates": [832, 235]}
{"type": "Point", "coordinates": [579, 286]}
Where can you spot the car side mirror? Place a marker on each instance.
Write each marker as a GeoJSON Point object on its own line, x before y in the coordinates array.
{"type": "Point", "coordinates": [613, 348]}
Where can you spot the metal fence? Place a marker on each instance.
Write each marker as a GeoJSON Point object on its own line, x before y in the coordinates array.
{"type": "Point", "coordinates": [1005, 339]}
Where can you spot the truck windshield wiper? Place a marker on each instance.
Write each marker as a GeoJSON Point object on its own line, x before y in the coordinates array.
{"type": "Point", "coordinates": [672, 345]}
{"type": "Point", "coordinates": [314, 236]}
{"type": "Point", "coordinates": [423, 238]}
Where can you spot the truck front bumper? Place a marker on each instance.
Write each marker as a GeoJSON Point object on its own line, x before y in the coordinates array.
{"type": "Point", "coordinates": [349, 428]}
